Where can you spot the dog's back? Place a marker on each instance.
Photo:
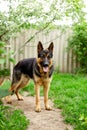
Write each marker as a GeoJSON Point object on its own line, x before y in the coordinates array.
{"type": "Point", "coordinates": [25, 66]}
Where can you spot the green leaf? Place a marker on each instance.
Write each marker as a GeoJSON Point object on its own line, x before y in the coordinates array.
{"type": "Point", "coordinates": [86, 119]}
{"type": "Point", "coordinates": [12, 60]}
{"type": "Point", "coordinates": [81, 117]}
{"type": "Point", "coordinates": [2, 60]}
{"type": "Point", "coordinates": [2, 44]}
{"type": "Point", "coordinates": [2, 51]}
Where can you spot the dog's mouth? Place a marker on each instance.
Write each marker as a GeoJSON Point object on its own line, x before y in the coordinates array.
{"type": "Point", "coordinates": [45, 69]}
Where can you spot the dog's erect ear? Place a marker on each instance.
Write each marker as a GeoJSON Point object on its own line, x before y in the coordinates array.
{"type": "Point", "coordinates": [39, 47]}
{"type": "Point", "coordinates": [51, 46]}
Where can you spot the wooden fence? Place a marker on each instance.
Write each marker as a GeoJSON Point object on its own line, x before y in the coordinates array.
{"type": "Point", "coordinates": [63, 60]}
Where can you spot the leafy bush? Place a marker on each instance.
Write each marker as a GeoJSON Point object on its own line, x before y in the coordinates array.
{"type": "Point", "coordinates": [2, 52]}
{"type": "Point", "coordinates": [3, 58]}
{"type": "Point", "coordinates": [12, 120]}
{"type": "Point", "coordinates": [78, 42]}
{"type": "Point", "coordinates": [4, 72]}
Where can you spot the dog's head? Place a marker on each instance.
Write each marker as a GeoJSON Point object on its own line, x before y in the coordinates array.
{"type": "Point", "coordinates": [44, 59]}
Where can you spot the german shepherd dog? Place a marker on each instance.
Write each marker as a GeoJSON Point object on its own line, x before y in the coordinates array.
{"type": "Point", "coordinates": [39, 69]}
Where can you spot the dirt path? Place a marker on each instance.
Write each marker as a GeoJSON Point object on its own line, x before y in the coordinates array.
{"type": "Point", "coordinates": [45, 120]}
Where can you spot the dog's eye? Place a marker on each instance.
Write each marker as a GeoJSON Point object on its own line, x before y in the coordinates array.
{"type": "Point", "coordinates": [41, 55]}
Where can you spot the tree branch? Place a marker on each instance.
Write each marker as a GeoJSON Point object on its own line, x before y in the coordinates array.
{"type": "Point", "coordinates": [34, 35]}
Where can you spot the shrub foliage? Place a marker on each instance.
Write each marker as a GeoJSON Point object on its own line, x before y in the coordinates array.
{"type": "Point", "coordinates": [78, 42]}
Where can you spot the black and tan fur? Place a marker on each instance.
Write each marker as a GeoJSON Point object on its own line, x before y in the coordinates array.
{"type": "Point", "coordinates": [39, 69]}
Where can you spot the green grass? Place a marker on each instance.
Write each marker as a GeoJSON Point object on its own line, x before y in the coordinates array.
{"type": "Point", "coordinates": [4, 89]}
{"type": "Point", "coordinates": [69, 93]}
{"type": "Point", "coordinates": [12, 119]}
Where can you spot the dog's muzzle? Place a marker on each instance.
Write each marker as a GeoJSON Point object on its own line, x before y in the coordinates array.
{"type": "Point", "coordinates": [46, 66]}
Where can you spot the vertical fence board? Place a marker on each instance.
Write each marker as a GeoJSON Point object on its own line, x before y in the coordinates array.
{"type": "Point", "coordinates": [65, 61]}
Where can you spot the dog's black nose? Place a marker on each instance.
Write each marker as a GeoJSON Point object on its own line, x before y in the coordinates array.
{"type": "Point", "coordinates": [45, 64]}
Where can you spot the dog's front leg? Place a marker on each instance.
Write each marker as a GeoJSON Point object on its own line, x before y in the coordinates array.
{"type": "Point", "coordinates": [46, 90]}
{"type": "Point", "coordinates": [37, 91]}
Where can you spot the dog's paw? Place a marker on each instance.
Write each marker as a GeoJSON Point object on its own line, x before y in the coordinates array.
{"type": "Point", "coordinates": [49, 108]}
{"type": "Point", "coordinates": [20, 98]}
{"type": "Point", "coordinates": [37, 109]}
{"type": "Point", "coordinates": [8, 100]}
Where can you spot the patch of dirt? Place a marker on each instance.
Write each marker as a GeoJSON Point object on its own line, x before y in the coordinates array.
{"type": "Point", "coordinates": [45, 120]}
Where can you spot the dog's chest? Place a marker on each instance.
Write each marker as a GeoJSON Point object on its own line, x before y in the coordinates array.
{"type": "Point", "coordinates": [42, 80]}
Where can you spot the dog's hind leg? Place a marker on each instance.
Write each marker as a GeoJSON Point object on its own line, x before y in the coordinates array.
{"type": "Point", "coordinates": [15, 89]}
{"type": "Point", "coordinates": [19, 81]}
{"type": "Point", "coordinates": [19, 97]}
{"type": "Point", "coordinates": [15, 85]}
{"type": "Point", "coordinates": [16, 81]}
{"type": "Point", "coordinates": [25, 80]}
